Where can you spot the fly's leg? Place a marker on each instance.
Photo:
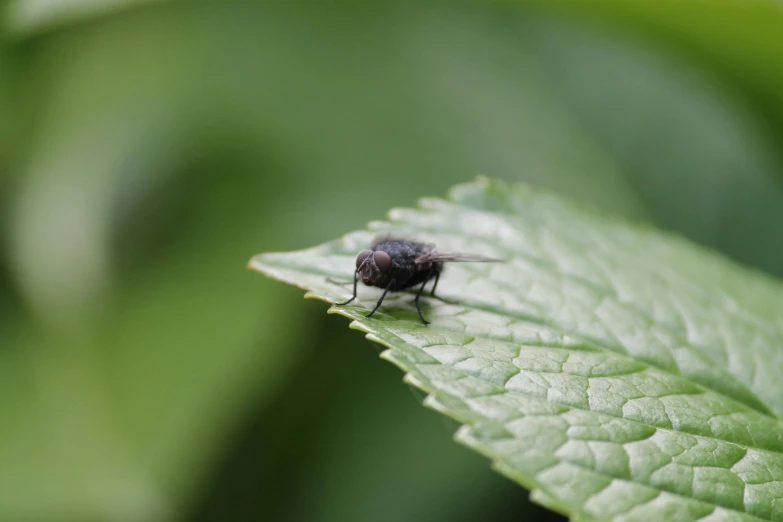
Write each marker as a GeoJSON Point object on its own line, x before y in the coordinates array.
{"type": "Point", "coordinates": [437, 278]}
{"type": "Point", "coordinates": [381, 299]}
{"type": "Point", "coordinates": [421, 289]}
{"type": "Point", "coordinates": [355, 280]}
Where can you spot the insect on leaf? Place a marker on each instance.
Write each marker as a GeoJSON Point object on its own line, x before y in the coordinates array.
{"type": "Point", "coordinates": [618, 372]}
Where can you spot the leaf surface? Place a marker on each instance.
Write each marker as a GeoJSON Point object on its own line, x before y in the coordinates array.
{"type": "Point", "coordinates": [618, 372]}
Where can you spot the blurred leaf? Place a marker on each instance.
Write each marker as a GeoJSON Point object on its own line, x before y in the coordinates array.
{"type": "Point", "coordinates": [401, 92]}
{"type": "Point", "coordinates": [140, 386]}
{"type": "Point", "coordinates": [589, 366]}
{"type": "Point", "coordinates": [23, 17]}
{"type": "Point", "coordinates": [738, 40]}
{"type": "Point", "coordinates": [703, 163]}
{"type": "Point", "coordinates": [122, 426]}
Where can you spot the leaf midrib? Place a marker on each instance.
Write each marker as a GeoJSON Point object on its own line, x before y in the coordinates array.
{"type": "Point", "coordinates": [695, 290]}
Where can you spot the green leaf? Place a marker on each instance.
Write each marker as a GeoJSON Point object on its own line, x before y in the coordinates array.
{"type": "Point", "coordinates": [24, 17]}
{"type": "Point", "coordinates": [618, 372]}
{"type": "Point", "coordinates": [737, 41]}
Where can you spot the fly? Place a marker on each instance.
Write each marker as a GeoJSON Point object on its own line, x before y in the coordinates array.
{"type": "Point", "coordinates": [394, 264]}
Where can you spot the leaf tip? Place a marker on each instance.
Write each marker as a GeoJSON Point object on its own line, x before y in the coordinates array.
{"type": "Point", "coordinates": [254, 264]}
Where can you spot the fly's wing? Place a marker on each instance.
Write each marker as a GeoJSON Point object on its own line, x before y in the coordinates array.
{"type": "Point", "coordinates": [453, 257]}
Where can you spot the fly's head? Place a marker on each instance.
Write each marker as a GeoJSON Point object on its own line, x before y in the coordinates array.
{"type": "Point", "coordinates": [374, 267]}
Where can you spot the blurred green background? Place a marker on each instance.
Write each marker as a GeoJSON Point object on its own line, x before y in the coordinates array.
{"type": "Point", "coordinates": [148, 150]}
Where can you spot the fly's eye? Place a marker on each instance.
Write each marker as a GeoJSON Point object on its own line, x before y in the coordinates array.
{"type": "Point", "coordinates": [383, 261]}
{"type": "Point", "coordinates": [362, 256]}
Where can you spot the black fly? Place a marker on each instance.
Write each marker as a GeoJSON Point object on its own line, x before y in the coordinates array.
{"type": "Point", "coordinates": [396, 264]}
